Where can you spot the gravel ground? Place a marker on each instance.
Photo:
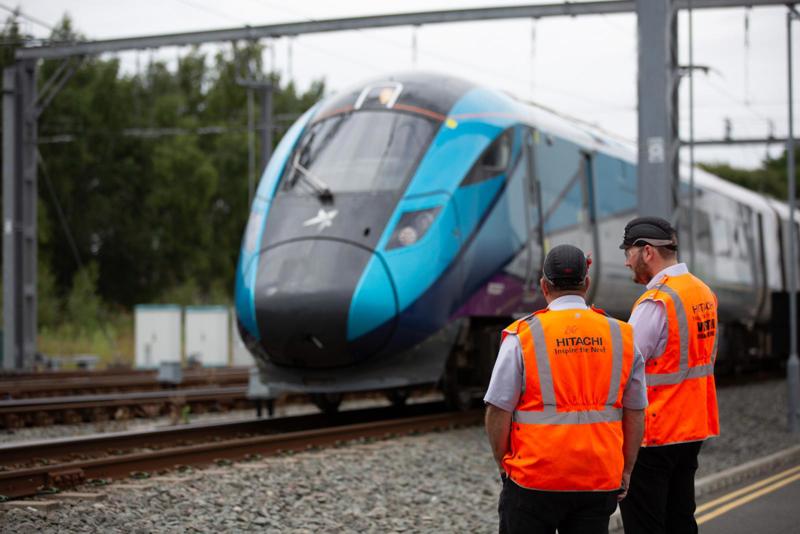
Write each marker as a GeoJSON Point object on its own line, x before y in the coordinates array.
{"type": "Point", "coordinates": [753, 421]}
{"type": "Point", "coordinates": [438, 482]}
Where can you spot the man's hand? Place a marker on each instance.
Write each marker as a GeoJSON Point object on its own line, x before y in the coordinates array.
{"type": "Point", "coordinates": [632, 431]}
{"type": "Point", "coordinates": [625, 484]}
{"type": "Point", "coordinates": [498, 428]}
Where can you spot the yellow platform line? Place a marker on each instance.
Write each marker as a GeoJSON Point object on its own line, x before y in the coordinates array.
{"type": "Point", "coordinates": [738, 502]}
{"type": "Point", "coordinates": [732, 495]}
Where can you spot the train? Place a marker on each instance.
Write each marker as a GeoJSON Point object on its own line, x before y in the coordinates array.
{"type": "Point", "coordinates": [400, 224]}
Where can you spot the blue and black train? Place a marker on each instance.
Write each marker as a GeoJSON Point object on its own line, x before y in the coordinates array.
{"type": "Point", "coordinates": [400, 224]}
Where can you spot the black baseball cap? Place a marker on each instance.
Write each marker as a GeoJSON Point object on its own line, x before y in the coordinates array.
{"type": "Point", "coordinates": [565, 265]}
{"type": "Point", "coordinates": [653, 231]}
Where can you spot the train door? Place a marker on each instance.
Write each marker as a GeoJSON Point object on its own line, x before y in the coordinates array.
{"type": "Point", "coordinates": [563, 172]}
{"type": "Point", "coordinates": [533, 204]}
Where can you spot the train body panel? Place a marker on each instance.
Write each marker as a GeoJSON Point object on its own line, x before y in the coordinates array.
{"type": "Point", "coordinates": [401, 223]}
{"type": "Point", "coordinates": [247, 267]}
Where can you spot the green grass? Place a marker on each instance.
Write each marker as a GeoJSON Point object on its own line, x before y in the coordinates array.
{"type": "Point", "coordinates": [114, 347]}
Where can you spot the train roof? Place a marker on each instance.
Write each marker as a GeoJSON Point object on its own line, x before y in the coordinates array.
{"type": "Point", "coordinates": [438, 93]}
{"type": "Point", "coordinates": [594, 138]}
{"type": "Point", "coordinates": [423, 91]}
{"type": "Point", "coordinates": [782, 209]}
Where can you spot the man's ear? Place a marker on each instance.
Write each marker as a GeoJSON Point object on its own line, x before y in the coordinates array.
{"type": "Point", "coordinates": [543, 286]}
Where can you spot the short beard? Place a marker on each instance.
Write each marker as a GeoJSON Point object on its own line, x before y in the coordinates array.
{"type": "Point", "coordinates": [641, 274]}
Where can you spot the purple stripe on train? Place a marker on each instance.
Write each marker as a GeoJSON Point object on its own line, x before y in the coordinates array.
{"type": "Point", "coordinates": [502, 295]}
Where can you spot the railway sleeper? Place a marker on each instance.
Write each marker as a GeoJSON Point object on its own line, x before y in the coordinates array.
{"type": "Point", "coordinates": [100, 415]}
{"type": "Point", "coordinates": [12, 421]}
{"type": "Point", "coordinates": [66, 478]}
{"type": "Point", "coordinates": [150, 409]}
{"type": "Point", "coordinates": [123, 413]}
{"type": "Point", "coordinates": [72, 417]}
{"type": "Point", "coordinates": [42, 418]}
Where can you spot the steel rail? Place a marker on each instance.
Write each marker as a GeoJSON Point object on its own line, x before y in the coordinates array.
{"type": "Point", "coordinates": [61, 410]}
{"type": "Point", "coordinates": [118, 399]}
{"type": "Point", "coordinates": [47, 386]}
{"type": "Point", "coordinates": [16, 483]}
{"type": "Point", "coordinates": [47, 374]}
{"type": "Point", "coordinates": [60, 448]}
{"type": "Point", "coordinates": [6, 378]}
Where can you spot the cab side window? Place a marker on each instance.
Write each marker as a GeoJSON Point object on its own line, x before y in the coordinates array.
{"type": "Point", "coordinates": [494, 161]}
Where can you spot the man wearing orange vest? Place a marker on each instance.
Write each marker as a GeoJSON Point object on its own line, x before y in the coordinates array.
{"type": "Point", "coordinates": [675, 326]}
{"type": "Point", "coordinates": [565, 409]}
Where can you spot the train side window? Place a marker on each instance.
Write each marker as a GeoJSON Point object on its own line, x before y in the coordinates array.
{"type": "Point", "coordinates": [615, 186]}
{"type": "Point", "coordinates": [702, 232]}
{"type": "Point", "coordinates": [740, 242]}
{"type": "Point", "coordinates": [722, 236]}
{"type": "Point", "coordinates": [493, 162]}
{"type": "Point", "coordinates": [567, 211]}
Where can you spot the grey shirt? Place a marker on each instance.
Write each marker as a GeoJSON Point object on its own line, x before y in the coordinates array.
{"type": "Point", "coordinates": [649, 318]}
{"type": "Point", "coordinates": [505, 386]}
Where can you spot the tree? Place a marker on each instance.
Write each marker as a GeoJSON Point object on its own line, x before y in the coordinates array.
{"type": "Point", "coordinates": [770, 179]}
{"type": "Point", "coordinates": [157, 207]}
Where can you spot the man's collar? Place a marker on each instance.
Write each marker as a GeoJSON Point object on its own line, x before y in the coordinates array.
{"type": "Point", "coordinates": [568, 302]}
{"type": "Point", "coordinates": [673, 270]}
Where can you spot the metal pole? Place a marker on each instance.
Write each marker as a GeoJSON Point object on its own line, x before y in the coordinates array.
{"type": "Point", "coordinates": [691, 141]}
{"type": "Point", "coordinates": [10, 156]}
{"type": "Point", "coordinates": [657, 122]}
{"type": "Point", "coordinates": [290, 61]}
{"type": "Point", "coordinates": [414, 47]}
{"type": "Point", "coordinates": [19, 215]}
{"type": "Point", "coordinates": [793, 365]}
{"type": "Point", "coordinates": [266, 125]}
{"type": "Point", "coordinates": [251, 148]}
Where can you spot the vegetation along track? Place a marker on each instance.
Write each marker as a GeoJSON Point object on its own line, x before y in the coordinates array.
{"type": "Point", "coordinates": [33, 468]}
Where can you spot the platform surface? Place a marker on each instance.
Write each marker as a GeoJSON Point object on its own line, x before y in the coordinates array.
{"type": "Point", "coordinates": [769, 504]}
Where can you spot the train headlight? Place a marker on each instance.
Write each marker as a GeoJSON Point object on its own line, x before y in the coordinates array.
{"type": "Point", "coordinates": [412, 227]}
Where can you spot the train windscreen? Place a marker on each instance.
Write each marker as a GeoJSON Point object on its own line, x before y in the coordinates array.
{"type": "Point", "coordinates": [358, 152]}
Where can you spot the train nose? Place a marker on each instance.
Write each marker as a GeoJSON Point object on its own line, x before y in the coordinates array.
{"type": "Point", "coordinates": [309, 297]}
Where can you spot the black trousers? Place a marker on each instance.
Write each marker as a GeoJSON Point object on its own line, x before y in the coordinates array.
{"type": "Point", "coordinates": [571, 512]}
{"type": "Point", "coordinates": [661, 495]}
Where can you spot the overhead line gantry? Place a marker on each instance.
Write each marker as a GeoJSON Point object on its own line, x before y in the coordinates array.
{"type": "Point", "coordinates": [657, 125]}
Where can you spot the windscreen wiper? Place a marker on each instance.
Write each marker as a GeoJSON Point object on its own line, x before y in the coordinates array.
{"type": "Point", "coordinates": [319, 187]}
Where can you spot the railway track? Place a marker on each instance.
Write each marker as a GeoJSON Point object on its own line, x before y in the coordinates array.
{"type": "Point", "coordinates": [48, 466]}
{"type": "Point", "coordinates": [63, 383]}
{"type": "Point", "coordinates": [17, 413]}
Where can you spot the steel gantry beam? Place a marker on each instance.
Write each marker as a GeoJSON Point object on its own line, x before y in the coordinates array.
{"type": "Point", "coordinates": [658, 139]}
{"type": "Point", "coordinates": [557, 9]}
{"type": "Point", "coordinates": [737, 141]}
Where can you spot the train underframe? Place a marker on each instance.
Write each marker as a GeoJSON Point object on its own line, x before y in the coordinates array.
{"type": "Point", "coordinates": [459, 360]}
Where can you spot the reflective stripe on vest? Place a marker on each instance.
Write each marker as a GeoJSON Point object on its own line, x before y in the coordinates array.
{"type": "Point", "coordinates": [685, 372]}
{"type": "Point", "coordinates": [680, 381]}
{"type": "Point", "coordinates": [550, 414]}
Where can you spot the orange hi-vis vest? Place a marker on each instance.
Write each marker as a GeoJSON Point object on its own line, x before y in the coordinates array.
{"type": "Point", "coordinates": [681, 391]}
{"type": "Point", "coordinates": [566, 432]}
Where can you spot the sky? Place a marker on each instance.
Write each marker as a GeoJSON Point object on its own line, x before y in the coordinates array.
{"type": "Point", "coordinates": [584, 67]}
